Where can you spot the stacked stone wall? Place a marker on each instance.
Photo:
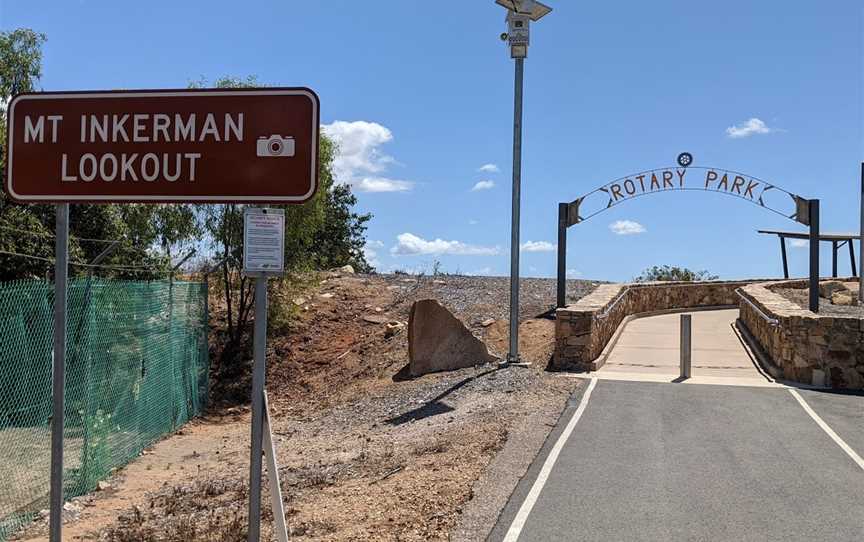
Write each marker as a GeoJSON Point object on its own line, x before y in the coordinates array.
{"type": "Point", "coordinates": [804, 347]}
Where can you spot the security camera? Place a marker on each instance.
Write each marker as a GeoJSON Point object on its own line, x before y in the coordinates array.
{"type": "Point", "coordinates": [504, 36]}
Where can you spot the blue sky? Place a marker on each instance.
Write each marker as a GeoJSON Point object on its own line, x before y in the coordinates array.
{"type": "Point", "coordinates": [421, 94]}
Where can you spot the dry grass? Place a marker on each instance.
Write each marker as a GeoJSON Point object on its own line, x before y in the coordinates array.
{"type": "Point", "coordinates": [209, 510]}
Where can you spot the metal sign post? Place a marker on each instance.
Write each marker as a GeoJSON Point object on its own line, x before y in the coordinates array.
{"type": "Point", "coordinates": [58, 370]}
{"type": "Point", "coordinates": [520, 14]}
{"type": "Point", "coordinates": [276, 505]}
{"type": "Point", "coordinates": [263, 257]}
{"type": "Point", "coordinates": [258, 373]}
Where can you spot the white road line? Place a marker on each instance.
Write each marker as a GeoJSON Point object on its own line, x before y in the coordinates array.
{"type": "Point", "coordinates": [834, 436]}
{"type": "Point", "coordinates": [525, 509]}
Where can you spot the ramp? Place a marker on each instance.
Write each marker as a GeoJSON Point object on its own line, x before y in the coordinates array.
{"type": "Point", "coordinates": [648, 349]}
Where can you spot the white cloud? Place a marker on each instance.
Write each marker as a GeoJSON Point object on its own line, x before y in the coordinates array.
{"type": "Point", "coordinates": [381, 184]}
{"type": "Point", "coordinates": [370, 251]}
{"type": "Point", "coordinates": [359, 161]}
{"type": "Point", "coordinates": [484, 272]}
{"type": "Point", "coordinates": [800, 243]}
{"type": "Point", "coordinates": [573, 273]}
{"type": "Point", "coordinates": [537, 246]}
{"type": "Point", "coordinates": [626, 227]}
{"type": "Point", "coordinates": [489, 168]}
{"type": "Point", "coordinates": [483, 185]}
{"type": "Point", "coordinates": [409, 244]}
{"type": "Point", "coordinates": [473, 222]}
{"type": "Point", "coordinates": [750, 127]}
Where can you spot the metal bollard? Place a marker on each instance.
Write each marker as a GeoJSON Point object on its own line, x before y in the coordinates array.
{"type": "Point", "coordinates": [686, 345]}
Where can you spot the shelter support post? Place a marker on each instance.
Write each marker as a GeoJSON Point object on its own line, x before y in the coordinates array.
{"type": "Point", "coordinates": [783, 254]}
{"type": "Point", "coordinates": [861, 239]}
{"type": "Point", "coordinates": [852, 258]}
{"type": "Point", "coordinates": [814, 254]}
{"type": "Point", "coordinates": [834, 248]}
{"type": "Point", "coordinates": [562, 255]}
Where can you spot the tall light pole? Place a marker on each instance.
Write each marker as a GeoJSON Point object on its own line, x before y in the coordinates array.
{"type": "Point", "coordinates": [520, 14]}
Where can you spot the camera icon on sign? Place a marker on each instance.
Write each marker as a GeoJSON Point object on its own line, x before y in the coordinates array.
{"type": "Point", "coordinates": [275, 146]}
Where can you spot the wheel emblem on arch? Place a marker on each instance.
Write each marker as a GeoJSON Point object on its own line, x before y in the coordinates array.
{"type": "Point", "coordinates": [685, 159]}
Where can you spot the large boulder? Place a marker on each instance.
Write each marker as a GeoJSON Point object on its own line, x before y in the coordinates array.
{"type": "Point", "coordinates": [844, 298]}
{"type": "Point", "coordinates": [831, 287]}
{"type": "Point", "coordinates": [438, 341]}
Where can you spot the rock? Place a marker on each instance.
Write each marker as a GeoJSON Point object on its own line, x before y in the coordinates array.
{"type": "Point", "coordinates": [103, 485]}
{"type": "Point", "coordinates": [326, 296]}
{"type": "Point", "coordinates": [393, 328]}
{"type": "Point", "coordinates": [71, 506]}
{"type": "Point", "coordinates": [375, 319]}
{"type": "Point", "coordinates": [438, 341]}
{"type": "Point", "coordinates": [347, 269]}
{"type": "Point", "coordinates": [829, 288]}
{"type": "Point", "coordinates": [439, 281]}
{"type": "Point", "coordinates": [299, 301]}
{"type": "Point", "coordinates": [843, 298]}
{"type": "Point", "coordinates": [488, 322]}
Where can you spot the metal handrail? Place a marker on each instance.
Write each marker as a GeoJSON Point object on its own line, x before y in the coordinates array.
{"type": "Point", "coordinates": [608, 310]}
{"type": "Point", "coordinates": [772, 321]}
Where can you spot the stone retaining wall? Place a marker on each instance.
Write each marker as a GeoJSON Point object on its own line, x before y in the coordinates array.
{"type": "Point", "coordinates": [584, 329]}
{"type": "Point", "coordinates": [805, 347]}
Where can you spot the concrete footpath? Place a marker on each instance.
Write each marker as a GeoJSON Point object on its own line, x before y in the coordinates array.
{"type": "Point", "coordinates": [666, 462]}
{"type": "Point", "coordinates": [648, 349]}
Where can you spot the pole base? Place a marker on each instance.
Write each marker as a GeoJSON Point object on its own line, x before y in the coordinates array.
{"type": "Point", "coordinates": [512, 361]}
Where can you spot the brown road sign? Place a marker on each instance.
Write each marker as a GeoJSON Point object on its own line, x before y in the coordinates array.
{"type": "Point", "coordinates": [238, 145]}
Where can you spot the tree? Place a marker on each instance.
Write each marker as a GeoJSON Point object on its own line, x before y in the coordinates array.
{"type": "Point", "coordinates": [323, 232]}
{"type": "Point", "coordinates": [669, 273]}
{"type": "Point", "coordinates": [28, 229]}
{"type": "Point", "coordinates": [20, 70]}
{"type": "Point", "coordinates": [342, 241]}
{"type": "Point", "coordinates": [20, 61]}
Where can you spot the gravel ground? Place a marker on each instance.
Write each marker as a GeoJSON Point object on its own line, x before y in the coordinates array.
{"type": "Point", "coordinates": [801, 297]}
{"type": "Point", "coordinates": [473, 298]}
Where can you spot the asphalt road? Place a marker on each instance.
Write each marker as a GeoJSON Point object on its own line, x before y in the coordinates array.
{"type": "Point", "coordinates": [668, 462]}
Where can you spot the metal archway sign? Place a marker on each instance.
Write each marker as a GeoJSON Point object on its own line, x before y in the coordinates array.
{"type": "Point", "coordinates": [690, 178]}
{"type": "Point", "coordinates": [679, 179]}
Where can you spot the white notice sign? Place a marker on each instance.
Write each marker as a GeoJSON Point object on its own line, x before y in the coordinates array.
{"type": "Point", "coordinates": [263, 241]}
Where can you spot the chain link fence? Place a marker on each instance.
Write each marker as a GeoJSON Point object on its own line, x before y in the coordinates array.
{"type": "Point", "coordinates": [136, 369]}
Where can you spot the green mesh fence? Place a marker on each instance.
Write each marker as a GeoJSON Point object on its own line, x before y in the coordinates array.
{"type": "Point", "coordinates": [136, 369]}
